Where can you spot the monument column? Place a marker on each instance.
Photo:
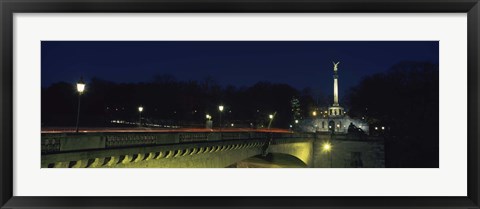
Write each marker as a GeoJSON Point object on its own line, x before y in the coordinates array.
{"type": "Point", "coordinates": [335, 84]}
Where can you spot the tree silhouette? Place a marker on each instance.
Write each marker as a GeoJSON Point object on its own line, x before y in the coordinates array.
{"type": "Point", "coordinates": [167, 100]}
{"type": "Point", "coordinates": [406, 100]}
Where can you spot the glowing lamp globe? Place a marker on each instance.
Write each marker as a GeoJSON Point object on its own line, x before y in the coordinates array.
{"type": "Point", "coordinates": [80, 87]}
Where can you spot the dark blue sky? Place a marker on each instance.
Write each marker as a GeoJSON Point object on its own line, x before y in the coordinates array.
{"type": "Point", "coordinates": [241, 63]}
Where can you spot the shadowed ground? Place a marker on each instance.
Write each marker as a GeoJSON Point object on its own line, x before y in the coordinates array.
{"type": "Point", "coordinates": [270, 161]}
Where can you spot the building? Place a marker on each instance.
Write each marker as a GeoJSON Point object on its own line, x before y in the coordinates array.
{"type": "Point", "coordinates": [334, 118]}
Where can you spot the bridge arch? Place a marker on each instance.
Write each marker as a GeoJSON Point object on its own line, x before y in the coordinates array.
{"type": "Point", "coordinates": [123, 151]}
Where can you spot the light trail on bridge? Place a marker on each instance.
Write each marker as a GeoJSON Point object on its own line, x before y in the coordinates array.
{"type": "Point", "coordinates": [153, 130]}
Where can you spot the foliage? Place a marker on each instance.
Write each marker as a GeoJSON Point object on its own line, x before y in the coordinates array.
{"type": "Point", "coordinates": [406, 100]}
{"type": "Point", "coordinates": [168, 101]}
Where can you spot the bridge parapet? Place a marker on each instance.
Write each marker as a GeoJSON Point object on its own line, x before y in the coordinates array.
{"type": "Point", "coordinates": [196, 149]}
{"type": "Point", "coordinates": [54, 143]}
{"type": "Point", "coordinates": [200, 154]}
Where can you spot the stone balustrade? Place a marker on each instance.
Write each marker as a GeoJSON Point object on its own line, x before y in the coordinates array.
{"type": "Point", "coordinates": [174, 150]}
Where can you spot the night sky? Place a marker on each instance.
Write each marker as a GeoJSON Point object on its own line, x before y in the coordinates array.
{"type": "Point", "coordinates": [240, 63]}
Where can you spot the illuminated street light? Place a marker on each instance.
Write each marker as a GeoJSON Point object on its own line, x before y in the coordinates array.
{"type": "Point", "coordinates": [80, 90]}
{"type": "Point", "coordinates": [140, 110]}
{"type": "Point", "coordinates": [296, 121]}
{"type": "Point", "coordinates": [271, 119]}
{"type": "Point", "coordinates": [327, 148]}
{"type": "Point", "coordinates": [80, 86]}
{"type": "Point", "coordinates": [383, 128]}
{"type": "Point", "coordinates": [208, 123]}
{"type": "Point", "coordinates": [314, 113]}
{"type": "Point", "coordinates": [220, 108]}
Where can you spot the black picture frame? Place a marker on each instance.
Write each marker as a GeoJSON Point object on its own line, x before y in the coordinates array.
{"type": "Point", "coordinates": [9, 7]}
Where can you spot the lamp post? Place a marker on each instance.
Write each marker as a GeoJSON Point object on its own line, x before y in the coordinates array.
{"type": "Point", "coordinates": [271, 117]}
{"type": "Point", "coordinates": [140, 110]}
{"type": "Point", "coordinates": [208, 124]}
{"type": "Point", "coordinates": [80, 89]}
{"type": "Point", "coordinates": [327, 147]}
{"type": "Point", "coordinates": [220, 109]}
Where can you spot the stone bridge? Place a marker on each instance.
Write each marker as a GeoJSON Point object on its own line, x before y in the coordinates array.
{"type": "Point", "coordinates": [174, 150]}
{"type": "Point", "coordinates": [181, 150]}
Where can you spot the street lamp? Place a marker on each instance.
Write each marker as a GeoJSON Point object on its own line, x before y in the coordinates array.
{"type": "Point", "coordinates": [140, 110]}
{"type": "Point", "coordinates": [208, 122]}
{"type": "Point", "coordinates": [220, 108]}
{"type": "Point", "coordinates": [314, 113]}
{"type": "Point", "coordinates": [80, 89]}
{"type": "Point", "coordinates": [327, 147]}
{"type": "Point", "coordinates": [271, 119]}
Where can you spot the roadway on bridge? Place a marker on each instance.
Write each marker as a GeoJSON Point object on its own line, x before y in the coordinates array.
{"type": "Point", "coordinates": [157, 130]}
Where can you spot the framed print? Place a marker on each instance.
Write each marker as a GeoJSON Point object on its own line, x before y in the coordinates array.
{"type": "Point", "coordinates": [263, 104]}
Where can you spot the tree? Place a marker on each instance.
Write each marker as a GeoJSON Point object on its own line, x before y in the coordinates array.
{"type": "Point", "coordinates": [406, 100]}
{"type": "Point", "coordinates": [167, 100]}
{"type": "Point", "coordinates": [296, 111]}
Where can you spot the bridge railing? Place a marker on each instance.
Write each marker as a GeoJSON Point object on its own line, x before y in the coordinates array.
{"type": "Point", "coordinates": [67, 142]}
